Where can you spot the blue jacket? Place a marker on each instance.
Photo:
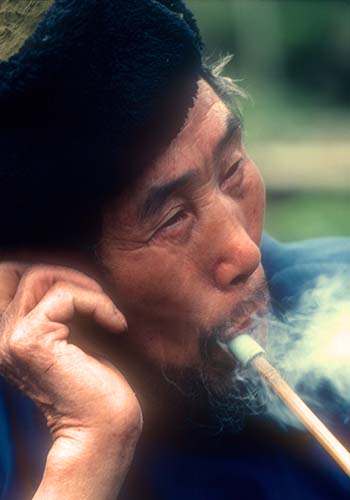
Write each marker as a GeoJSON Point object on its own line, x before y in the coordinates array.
{"type": "Point", "coordinates": [263, 462]}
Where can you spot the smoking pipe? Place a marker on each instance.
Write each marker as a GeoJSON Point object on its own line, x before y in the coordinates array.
{"type": "Point", "coordinates": [248, 352]}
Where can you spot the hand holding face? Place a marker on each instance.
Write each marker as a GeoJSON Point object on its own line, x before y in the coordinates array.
{"type": "Point", "coordinates": [92, 413]}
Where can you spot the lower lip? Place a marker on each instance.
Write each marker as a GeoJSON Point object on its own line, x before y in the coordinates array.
{"type": "Point", "coordinates": [254, 327]}
{"type": "Point", "coordinates": [234, 331]}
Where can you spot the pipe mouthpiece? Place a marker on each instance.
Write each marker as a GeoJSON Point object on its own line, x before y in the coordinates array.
{"type": "Point", "coordinates": [244, 348]}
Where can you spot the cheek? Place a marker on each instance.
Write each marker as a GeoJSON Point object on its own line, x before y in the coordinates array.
{"type": "Point", "coordinates": [154, 289]}
{"type": "Point", "coordinates": [253, 203]}
{"type": "Point", "coordinates": [151, 284]}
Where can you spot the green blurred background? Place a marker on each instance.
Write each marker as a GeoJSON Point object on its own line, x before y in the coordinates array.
{"type": "Point", "coordinates": [293, 60]}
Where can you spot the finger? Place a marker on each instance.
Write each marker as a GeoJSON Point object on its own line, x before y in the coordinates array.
{"type": "Point", "coordinates": [37, 280]}
{"type": "Point", "coordinates": [10, 276]}
{"type": "Point", "coordinates": [64, 300]}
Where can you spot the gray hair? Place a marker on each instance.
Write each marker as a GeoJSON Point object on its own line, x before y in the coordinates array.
{"type": "Point", "coordinates": [226, 87]}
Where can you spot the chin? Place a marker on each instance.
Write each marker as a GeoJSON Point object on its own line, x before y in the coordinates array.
{"type": "Point", "coordinates": [216, 389]}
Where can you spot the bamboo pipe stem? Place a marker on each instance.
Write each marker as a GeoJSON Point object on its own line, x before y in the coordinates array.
{"type": "Point", "coordinates": [329, 442]}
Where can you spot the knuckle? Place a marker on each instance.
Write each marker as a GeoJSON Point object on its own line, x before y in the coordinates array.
{"type": "Point", "coordinates": [19, 343]}
{"type": "Point", "coordinates": [40, 271]}
{"type": "Point", "coordinates": [34, 273]}
{"type": "Point", "coordinates": [60, 291]}
{"type": "Point", "coordinates": [59, 274]}
{"type": "Point", "coordinates": [61, 288]}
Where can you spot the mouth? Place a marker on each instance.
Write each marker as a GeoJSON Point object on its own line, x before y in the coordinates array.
{"type": "Point", "coordinates": [254, 323]}
{"type": "Point", "coordinates": [221, 360]}
{"type": "Point", "coordinates": [248, 315]}
{"type": "Point", "coordinates": [250, 325]}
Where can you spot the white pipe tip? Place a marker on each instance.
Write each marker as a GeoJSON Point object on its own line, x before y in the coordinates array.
{"type": "Point", "coordinates": [244, 348]}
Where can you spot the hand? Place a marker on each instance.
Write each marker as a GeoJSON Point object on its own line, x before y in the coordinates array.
{"type": "Point", "coordinates": [93, 414]}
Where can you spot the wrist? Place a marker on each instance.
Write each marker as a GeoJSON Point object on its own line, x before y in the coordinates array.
{"type": "Point", "coordinates": [87, 465]}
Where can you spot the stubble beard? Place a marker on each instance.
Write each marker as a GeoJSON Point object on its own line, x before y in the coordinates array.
{"type": "Point", "coordinates": [220, 393]}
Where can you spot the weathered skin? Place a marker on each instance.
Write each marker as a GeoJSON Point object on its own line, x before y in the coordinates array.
{"type": "Point", "coordinates": [174, 275]}
{"type": "Point", "coordinates": [90, 409]}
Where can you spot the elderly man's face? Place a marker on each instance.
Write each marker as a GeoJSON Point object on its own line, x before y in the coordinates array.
{"type": "Point", "coordinates": [182, 247]}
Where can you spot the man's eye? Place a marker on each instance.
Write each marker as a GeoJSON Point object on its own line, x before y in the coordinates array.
{"type": "Point", "coordinates": [233, 169]}
{"type": "Point", "coordinates": [180, 215]}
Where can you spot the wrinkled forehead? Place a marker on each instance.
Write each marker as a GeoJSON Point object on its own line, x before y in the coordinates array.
{"type": "Point", "coordinates": [205, 124]}
{"type": "Point", "coordinates": [193, 147]}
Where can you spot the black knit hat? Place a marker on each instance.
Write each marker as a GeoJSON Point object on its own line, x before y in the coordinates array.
{"type": "Point", "coordinates": [87, 101]}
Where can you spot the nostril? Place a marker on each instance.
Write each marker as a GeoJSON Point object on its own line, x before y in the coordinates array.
{"type": "Point", "coordinates": [240, 279]}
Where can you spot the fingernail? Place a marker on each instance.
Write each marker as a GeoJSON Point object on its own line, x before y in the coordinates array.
{"type": "Point", "coordinates": [121, 319]}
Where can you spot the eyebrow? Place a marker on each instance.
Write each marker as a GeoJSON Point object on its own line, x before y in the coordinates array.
{"type": "Point", "coordinates": [232, 134]}
{"type": "Point", "coordinates": [159, 195]}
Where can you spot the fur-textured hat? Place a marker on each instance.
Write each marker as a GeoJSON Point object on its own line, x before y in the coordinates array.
{"type": "Point", "coordinates": [86, 101]}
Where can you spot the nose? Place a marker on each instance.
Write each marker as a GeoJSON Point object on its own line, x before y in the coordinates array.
{"type": "Point", "coordinates": [237, 255]}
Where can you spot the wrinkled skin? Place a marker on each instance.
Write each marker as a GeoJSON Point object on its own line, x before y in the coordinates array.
{"type": "Point", "coordinates": [193, 264]}
{"type": "Point", "coordinates": [81, 396]}
{"type": "Point", "coordinates": [181, 271]}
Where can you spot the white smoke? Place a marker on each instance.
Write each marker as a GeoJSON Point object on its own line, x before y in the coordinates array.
{"type": "Point", "coordinates": [311, 349]}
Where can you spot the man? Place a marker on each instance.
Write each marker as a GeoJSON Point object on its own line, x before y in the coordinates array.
{"type": "Point", "coordinates": [133, 246]}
